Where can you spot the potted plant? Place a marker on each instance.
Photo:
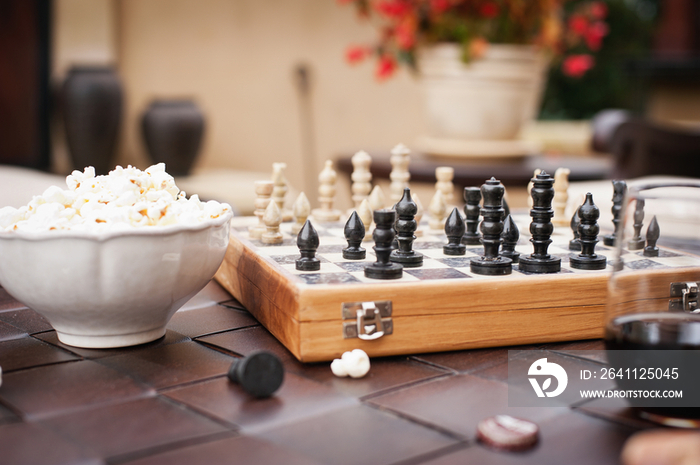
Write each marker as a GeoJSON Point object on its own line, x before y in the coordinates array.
{"type": "Point", "coordinates": [482, 63]}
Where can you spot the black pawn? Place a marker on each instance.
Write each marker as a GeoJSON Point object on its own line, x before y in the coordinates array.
{"type": "Point", "coordinates": [619, 191]}
{"type": "Point", "coordinates": [472, 196]}
{"type": "Point", "coordinates": [588, 229]}
{"type": "Point", "coordinates": [405, 225]}
{"type": "Point", "coordinates": [307, 241]}
{"type": "Point", "coordinates": [260, 374]}
{"type": "Point", "coordinates": [653, 233]}
{"type": "Point", "coordinates": [491, 228]}
{"type": "Point", "coordinates": [454, 230]}
{"type": "Point", "coordinates": [575, 243]}
{"type": "Point", "coordinates": [510, 236]}
{"type": "Point", "coordinates": [354, 234]}
{"type": "Point", "coordinates": [383, 234]}
{"type": "Point", "coordinates": [637, 242]}
{"type": "Point", "coordinates": [541, 228]}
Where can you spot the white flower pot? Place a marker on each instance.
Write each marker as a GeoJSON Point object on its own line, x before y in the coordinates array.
{"type": "Point", "coordinates": [479, 108]}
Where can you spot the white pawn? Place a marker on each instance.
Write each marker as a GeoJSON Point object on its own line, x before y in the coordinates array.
{"type": "Point", "coordinates": [376, 199]}
{"type": "Point", "coordinates": [530, 185]}
{"type": "Point", "coordinates": [561, 196]}
{"type": "Point", "coordinates": [361, 177]}
{"type": "Point", "coordinates": [272, 219]}
{"type": "Point", "coordinates": [326, 194]}
{"type": "Point", "coordinates": [438, 212]}
{"type": "Point", "coordinates": [444, 176]}
{"type": "Point", "coordinates": [263, 190]}
{"type": "Point", "coordinates": [301, 211]}
{"type": "Point", "coordinates": [280, 189]}
{"type": "Point", "coordinates": [365, 214]}
{"type": "Point", "coordinates": [419, 214]}
{"type": "Point", "coordinates": [399, 175]}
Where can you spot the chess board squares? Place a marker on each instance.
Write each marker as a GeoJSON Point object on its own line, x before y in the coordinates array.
{"type": "Point", "coordinates": [7, 302]}
{"type": "Point", "coordinates": [7, 332]}
{"type": "Point", "coordinates": [209, 320]}
{"type": "Point", "coordinates": [28, 352]}
{"type": "Point", "coordinates": [27, 320]}
{"type": "Point", "coordinates": [616, 410]}
{"type": "Point", "coordinates": [30, 443]}
{"type": "Point", "coordinates": [212, 294]}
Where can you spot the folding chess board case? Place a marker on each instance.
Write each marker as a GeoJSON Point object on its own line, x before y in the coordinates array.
{"type": "Point", "coordinates": [439, 307]}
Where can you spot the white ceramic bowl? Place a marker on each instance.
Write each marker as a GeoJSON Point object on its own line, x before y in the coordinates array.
{"type": "Point", "coordinates": [111, 289]}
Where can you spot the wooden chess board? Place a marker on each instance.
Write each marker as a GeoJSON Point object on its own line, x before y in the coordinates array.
{"type": "Point", "coordinates": [437, 307]}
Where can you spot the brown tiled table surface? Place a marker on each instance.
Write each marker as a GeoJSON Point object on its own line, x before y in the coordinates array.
{"type": "Point", "coordinates": [169, 402]}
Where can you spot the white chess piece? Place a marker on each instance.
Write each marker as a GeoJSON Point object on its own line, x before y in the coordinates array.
{"type": "Point", "coordinates": [263, 190]}
{"type": "Point", "coordinates": [361, 177]}
{"type": "Point", "coordinates": [438, 211]}
{"type": "Point", "coordinates": [365, 214]}
{"type": "Point", "coordinates": [326, 194]}
{"type": "Point", "coordinates": [280, 189]}
{"type": "Point", "coordinates": [419, 215]}
{"type": "Point", "coordinates": [561, 196]}
{"type": "Point", "coordinates": [400, 158]}
{"type": "Point", "coordinates": [272, 219]}
{"type": "Point", "coordinates": [444, 176]}
{"type": "Point", "coordinates": [376, 199]}
{"type": "Point", "coordinates": [530, 185]}
{"type": "Point", "coordinates": [301, 211]}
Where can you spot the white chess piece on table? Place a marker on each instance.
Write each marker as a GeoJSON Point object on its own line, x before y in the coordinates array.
{"type": "Point", "coordinates": [365, 214]}
{"type": "Point", "coordinates": [272, 219]}
{"type": "Point", "coordinates": [400, 158]}
{"type": "Point", "coordinates": [530, 185]}
{"type": "Point", "coordinates": [444, 176]}
{"type": "Point", "coordinates": [326, 194]}
{"type": "Point", "coordinates": [438, 211]}
{"type": "Point", "coordinates": [361, 177]}
{"type": "Point", "coordinates": [376, 199]}
{"type": "Point", "coordinates": [301, 211]}
{"type": "Point", "coordinates": [263, 190]}
{"type": "Point", "coordinates": [561, 197]}
{"type": "Point", "coordinates": [279, 191]}
{"type": "Point", "coordinates": [419, 215]}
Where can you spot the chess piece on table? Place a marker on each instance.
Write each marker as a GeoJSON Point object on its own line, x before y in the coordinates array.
{"type": "Point", "coordinates": [437, 210]}
{"type": "Point", "coordinates": [491, 228]}
{"type": "Point", "coordinates": [541, 228]}
{"type": "Point", "coordinates": [354, 233]}
{"type": "Point", "coordinates": [400, 159]}
{"type": "Point", "coordinates": [307, 241]}
{"type": "Point", "coordinates": [637, 242]}
{"type": "Point", "coordinates": [365, 214]}
{"type": "Point", "coordinates": [506, 208]}
{"type": "Point", "coordinates": [454, 230]}
{"type": "Point", "coordinates": [260, 374]}
{"type": "Point", "coordinates": [472, 197]}
{"type": "Point", "coordinates": [509, 237]}
{"type": "Point", "coordinates": [529, 188]}
{"type": "Point", "coordinates": [405, 225]}
{"type": "Point", "coordinates": [376, 199]}
{"type": "Point", "coordinates": [419, 216]}
{"type": "Point", "coordinates": [300, 211]}
{"type": "Point", "coordinates": [263, 191]}
{"type": "Point", "coordinates": [383, 235]}
{"type": "Point", "coordinates": [619, 191]}
{"type": "Point", "coordinates": [653, 233]}
{"type": "Point", "coordinates": [588, 232]}
{"type": "Point", "coordinates": [361, 177]}
{"type": "Point", "coordinates": [279, 190]}
{"type": "Point", "coordinates": [272, 219]}
{"type": "Point", "coordinates": [444, 176]}
{"type": "Point", "coordinates": [561, 196]}
{"type": "Point", "coordinates": [326, 194]}
{"type": "Point", "coordinates": [575, 243]}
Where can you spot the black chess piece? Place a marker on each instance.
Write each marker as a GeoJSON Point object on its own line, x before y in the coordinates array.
{"type": "Point", "coordinates": [491, 228]}
{"type": "Point", "coordinates": [575, 243]}
{"type": "Point", "coordinates": [354, 234]}
{"type": "Point", "coordinates": [541, 228]}
{"type": "Point", "coordinates": [260, 374]}
{"type": "Point", "coordinates": [619, 191]}
{"type": "Point", "coordinates": [653, 233]}
{"type": "Point", "coordinates": [506, 208]}
{"type": "Point", "coordinates": [472, 196]}
{"type": "Point", "coordinates": [588, 230]}
{"type": "Point", "coordinates": [307, 241]}
{"type": "Point", "coordinates": [510, 236]}
{"type": "Point", "coordinates": [405, 225]}
{"type": "Point", "coordinates": [383, 234]}
{"type": "Point", "coordinates": [454, 230]}
{"type": "Point", "coordinates": [637, 242]}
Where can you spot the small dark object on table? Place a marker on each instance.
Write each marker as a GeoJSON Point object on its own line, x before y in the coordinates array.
{"type": "Point", "coordinates": [260, 374]}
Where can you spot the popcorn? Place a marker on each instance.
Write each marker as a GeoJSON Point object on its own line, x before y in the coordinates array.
{"type": "Point", "coordinates": [354, 364]}
{"type": "Point", "coordinates": [126, 198]}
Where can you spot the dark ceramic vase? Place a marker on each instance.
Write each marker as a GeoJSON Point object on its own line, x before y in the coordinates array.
{"type": "Point", "coordinates": [91, 99]}
{"type": "Point", "coordinates": [173, 130]}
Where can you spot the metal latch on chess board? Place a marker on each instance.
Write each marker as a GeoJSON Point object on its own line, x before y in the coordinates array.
{"type": "Point", "coordinates": [685, 297]}
{"type": "Point", "coordinates": [369, 320]}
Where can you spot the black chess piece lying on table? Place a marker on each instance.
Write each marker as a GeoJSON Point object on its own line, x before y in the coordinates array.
{"type": "Point", "coordinates": [260, 374]}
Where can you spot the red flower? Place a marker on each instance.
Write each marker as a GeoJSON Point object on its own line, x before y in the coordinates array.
{"type": "Point", "coordinates": [355, 54]}
{"type": "Point", "coordinates": [489, 10]}
{"type": "Point", "coordinates": [599, 10]}
{"type": "Point", "coordinates": [594, 35]}
{"type": "Point", "coordinates": [385, 67]}
{"type": "Point", "coordinates": [439, 6]}
{"type": "Point", "coordinates": [393, 8]}
{"type": "Point", "coordinates": [405, 35]}
{"type": "Point", "coordinates": [578, 24]}
{"type": "Point", "coordinates": [577, 65]}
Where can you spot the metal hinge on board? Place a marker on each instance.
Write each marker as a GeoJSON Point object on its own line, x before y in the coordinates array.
{"type": "Point", "coordinates": [367, 320]}
{"type": "Point", "coordinates": [684, 297]}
